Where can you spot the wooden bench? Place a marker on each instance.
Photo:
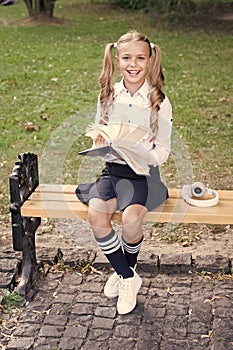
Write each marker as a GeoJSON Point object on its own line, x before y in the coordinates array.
{"type": "Point", "coordinates": [60, 201]}
{"type": "Point", "coordinates": [31, 201]}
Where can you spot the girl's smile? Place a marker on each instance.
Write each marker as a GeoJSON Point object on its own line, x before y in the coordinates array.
{"type": "Point", "coordinates": [133, 72]}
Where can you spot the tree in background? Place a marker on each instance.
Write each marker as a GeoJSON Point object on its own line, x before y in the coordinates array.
{"type": "Point", "coordinates": [40, 8]}
{"type": "Point", "coordinates": [167, 6]}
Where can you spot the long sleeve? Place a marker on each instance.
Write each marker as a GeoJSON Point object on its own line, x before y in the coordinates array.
{"type": "Point", "coordinates": [162, 144]}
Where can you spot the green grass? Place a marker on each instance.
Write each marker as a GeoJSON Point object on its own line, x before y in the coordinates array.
{"type": "Point", "coordinates": [11, 299]}
{"type": "Point", "coordinates": [49, 78]}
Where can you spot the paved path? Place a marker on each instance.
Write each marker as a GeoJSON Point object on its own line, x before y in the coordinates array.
{"type": "Point", "coordinates": [175, 311]}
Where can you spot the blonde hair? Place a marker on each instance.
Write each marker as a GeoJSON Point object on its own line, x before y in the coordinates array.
{"type": "Point", "coordinates": [155, 78]}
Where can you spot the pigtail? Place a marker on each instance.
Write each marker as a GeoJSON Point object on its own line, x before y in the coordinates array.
{"type": "Point", "coordinates": [156, 76]}
{"type": "Point", "coordinates": [156, 79]}
{"type": "Point", "coordinates": [106, 87]}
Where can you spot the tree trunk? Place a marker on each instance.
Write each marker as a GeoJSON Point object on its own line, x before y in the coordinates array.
{"type": "Point", "coordinates": [40, 7]}
{"type": "Point", "coordinates": [29, 7]}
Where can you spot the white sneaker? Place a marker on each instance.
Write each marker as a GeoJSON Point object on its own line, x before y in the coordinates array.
{"type": "Point", "coordinates": [111, 288]}
{"type": "Point", "coordinates": [128, 290]}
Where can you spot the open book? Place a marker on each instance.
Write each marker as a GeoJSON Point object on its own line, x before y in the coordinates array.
{"type": "Point", "coordinates": [121, 140]}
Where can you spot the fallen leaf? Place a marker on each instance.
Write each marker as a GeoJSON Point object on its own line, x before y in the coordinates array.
{"type": "Point", "coordinates": [29, 126]}
{"type": "Point", "coordinates": [203, 336]}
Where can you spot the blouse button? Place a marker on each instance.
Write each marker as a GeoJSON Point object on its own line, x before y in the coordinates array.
{"type": "Point", "coordinates": [130, 105]}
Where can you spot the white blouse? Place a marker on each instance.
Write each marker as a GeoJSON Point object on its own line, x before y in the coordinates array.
{"type": "Point", "coordinates": [136, 110]}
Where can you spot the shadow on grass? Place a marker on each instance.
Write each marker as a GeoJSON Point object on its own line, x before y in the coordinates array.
{"type": "Point", "coordinates": [218, 20]}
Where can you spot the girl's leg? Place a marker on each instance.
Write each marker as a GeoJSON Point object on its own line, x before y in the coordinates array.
{"type": "Point", "coordinates": [100, 214]}
{"type": "Point", "coordinates": [132, 238]}
{"type": "Point", "coordinates": [132, 234]}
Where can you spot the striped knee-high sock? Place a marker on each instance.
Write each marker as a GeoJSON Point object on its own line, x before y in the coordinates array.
{"type": "Point", "coordinates": [111, 247]}
{"type": "Point", "coordinates": [131, 251]}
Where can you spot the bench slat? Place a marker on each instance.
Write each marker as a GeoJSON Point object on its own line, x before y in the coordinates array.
{"type": "Point", "coordinates": [47, 200]}
{"type": "Point", "coordinates": [60, 201]}
{"type": "Point", "coordinates": [71, 197]}
{"type": "Point", "coordinates": [173, 192]}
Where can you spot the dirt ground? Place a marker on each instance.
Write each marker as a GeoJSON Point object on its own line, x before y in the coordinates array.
{"type": "Point", "coordinates": [159, 239]}
{"type": "Point", "coordinates": [196, 239]}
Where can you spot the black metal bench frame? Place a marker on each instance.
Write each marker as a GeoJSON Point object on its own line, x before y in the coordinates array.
{"type": "Point", "coordinates": [23, 182]}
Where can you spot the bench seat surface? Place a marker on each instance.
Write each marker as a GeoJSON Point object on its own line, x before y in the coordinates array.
{"type": "Point", "coordinates": [60, 201]}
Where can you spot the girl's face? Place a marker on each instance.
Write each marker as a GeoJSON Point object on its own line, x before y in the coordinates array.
{"type": "Point", "coordinates": [133, 59]}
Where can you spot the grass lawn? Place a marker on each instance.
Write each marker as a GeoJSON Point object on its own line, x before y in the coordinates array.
{"type": "Point", "coordinates": [49, 88]}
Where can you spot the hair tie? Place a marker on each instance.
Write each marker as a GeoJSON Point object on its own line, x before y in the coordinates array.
{"type": "Point", "coordinates": [152, 45]}
{"type": "Point", "coordinates": [115, 45]}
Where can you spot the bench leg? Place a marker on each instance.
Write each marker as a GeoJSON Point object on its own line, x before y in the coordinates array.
{"type": "Point", "coordinates": [24, 179]}
{"type": "Point", "coordinates": [29, 267]}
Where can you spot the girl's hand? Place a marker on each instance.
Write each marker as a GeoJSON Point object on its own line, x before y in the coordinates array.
{"type": "Point", "coordinates": [99, 140]}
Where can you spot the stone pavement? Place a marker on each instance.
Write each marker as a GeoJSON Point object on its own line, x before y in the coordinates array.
{"type": "Point", "coordinates": [181, 306]}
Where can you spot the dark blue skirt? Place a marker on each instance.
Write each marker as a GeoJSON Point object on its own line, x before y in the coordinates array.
{"type": "Point", "coordinates": [121, 182]}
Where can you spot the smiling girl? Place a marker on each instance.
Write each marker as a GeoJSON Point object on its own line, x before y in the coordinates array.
{"type": "Point", "coordinates": [137, 99]}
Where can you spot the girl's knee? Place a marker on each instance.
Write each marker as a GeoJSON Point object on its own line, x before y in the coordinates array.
{"type": "Point", "coordinates": [132, 223]}
{"type": "Point", "coordinates": [96, 218]}
{"type": "Point", "coordinates": [131, 228]}
{"type": "Point", "coordinates": [133, 216]}
{"type": "Point", "coordinates": [91, 216]}
{"type": "Point", "coordinates": [99, 220]}
{"type": "Point", "coordinates": [129, 221]}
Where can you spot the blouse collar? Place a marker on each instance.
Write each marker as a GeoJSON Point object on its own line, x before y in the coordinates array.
{"type": "Point", "coordinates": [143, 91]}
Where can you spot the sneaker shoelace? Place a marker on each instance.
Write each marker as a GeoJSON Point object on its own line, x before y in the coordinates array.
{"type": "Point", "coordinates": [124, 288]}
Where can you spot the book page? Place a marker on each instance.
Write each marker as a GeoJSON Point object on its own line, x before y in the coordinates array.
{"type": "Point", "coordinates": [96, 130]}
{"type": "Point", "coordinates": [124, 141]}
{"type": "Point", "coordinates": [133, 154]}
{"type": "Point", "coordinates": [114, 131]}
{"type": "Point", "coordinates": [136, 133]}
